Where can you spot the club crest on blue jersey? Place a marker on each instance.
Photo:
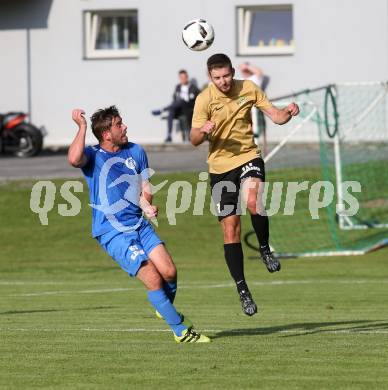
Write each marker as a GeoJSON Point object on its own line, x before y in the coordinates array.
{"type": "Point", "coordinates": [130, 163]}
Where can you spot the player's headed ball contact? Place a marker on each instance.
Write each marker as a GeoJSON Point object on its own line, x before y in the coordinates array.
{"type": "Point", "coordinates": [198, 35]}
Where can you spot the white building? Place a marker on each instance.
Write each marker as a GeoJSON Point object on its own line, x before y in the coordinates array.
{"type": "Point", "coordinates": [61, 54]}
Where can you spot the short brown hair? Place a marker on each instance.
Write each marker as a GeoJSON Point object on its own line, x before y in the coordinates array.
{"type": "Point", "coordinates": [218, 61]}
{"type": "Point", "coordinates": [102, 120]}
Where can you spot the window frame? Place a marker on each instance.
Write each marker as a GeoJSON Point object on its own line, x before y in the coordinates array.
{"type": "Point", "coordinates": [90, 35]}
{"type": "Point", "coordinates": [243, 16]}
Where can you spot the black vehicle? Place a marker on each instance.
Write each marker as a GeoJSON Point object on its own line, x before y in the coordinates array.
{"type": "Point", "coordinates": [19, 137]}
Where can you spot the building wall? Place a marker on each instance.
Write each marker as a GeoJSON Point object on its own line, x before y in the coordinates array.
{"type": "Point", "coordinates": [344, 40]}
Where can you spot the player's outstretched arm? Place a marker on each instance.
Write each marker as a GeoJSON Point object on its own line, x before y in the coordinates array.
{"type": "Point", "coordinates": [76, 155]}
{"type": "Point", "coordinates": [197, 136]}
{"type": "Point", "coordinates": [280, 116]}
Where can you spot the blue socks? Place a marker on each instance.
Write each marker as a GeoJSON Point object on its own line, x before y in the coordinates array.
{"type": "Point", "coordinates": [161, 302]}
{"type": "Point", "coordinates": [170, 289]}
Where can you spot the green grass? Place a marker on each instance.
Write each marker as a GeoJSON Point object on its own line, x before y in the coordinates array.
{"type": "Point", "coordinates": [70, 318]}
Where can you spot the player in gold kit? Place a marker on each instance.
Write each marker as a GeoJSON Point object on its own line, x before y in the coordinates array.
{"type": "Point", "coordinates": [222, 115]}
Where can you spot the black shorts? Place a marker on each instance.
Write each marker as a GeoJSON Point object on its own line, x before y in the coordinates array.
{"type": "Point", "coordinates": [225, 186]}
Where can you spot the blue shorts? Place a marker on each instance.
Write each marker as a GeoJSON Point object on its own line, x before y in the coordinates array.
{"type": "Point", "coordinates": [130, 250]}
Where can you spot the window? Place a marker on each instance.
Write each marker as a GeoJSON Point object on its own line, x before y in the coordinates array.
{"type": "Point", "coordinates": [265, 30]}
{"type": "Point", "coordinates": [111, 34]}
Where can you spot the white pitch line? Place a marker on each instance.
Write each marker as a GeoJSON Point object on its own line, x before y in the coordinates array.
{"type": "Point", "coordinates": [242, 332]}
{"type": "Point", "coordinates": [74, 292]}
{"type": "Point", "coordinates": [45, 282]}
{"type": "Point", "coordinates": [200, 286]}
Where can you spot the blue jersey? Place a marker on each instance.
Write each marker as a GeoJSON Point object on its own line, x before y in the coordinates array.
{"type": "Point", "coordinates": [115, 184]}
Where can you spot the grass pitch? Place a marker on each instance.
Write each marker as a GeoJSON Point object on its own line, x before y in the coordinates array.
{"type": "Point", "coordinates": [70, 318]}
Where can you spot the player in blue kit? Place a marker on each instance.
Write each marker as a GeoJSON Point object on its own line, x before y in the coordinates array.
{"type": "Point", "coordinates": [117, 175]}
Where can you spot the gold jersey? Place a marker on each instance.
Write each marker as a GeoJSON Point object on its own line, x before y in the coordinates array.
{"type": "Point", "coordinates": [231, 143]}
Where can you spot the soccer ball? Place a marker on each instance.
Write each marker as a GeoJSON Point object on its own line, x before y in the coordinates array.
{"type": "Point", "coordinates": [198, 35]}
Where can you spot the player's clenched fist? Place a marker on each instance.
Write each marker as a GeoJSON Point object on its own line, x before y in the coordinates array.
{"type": "Point", "coordinates": [293, 109]}
{"type": "Point", "coordinates": [208, 127]}
{"type": "Point", "coordinates": [151, 211]}
{"type": "Point", "coordinates": [78, 117]}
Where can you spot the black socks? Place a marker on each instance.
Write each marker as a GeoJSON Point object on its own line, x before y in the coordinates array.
{"type": "Point", "coordinates": [242, 286]}
{"type": "Point", "coordinates": [235, 260]}
{"type": "Point", "coordinates": [261, 227]}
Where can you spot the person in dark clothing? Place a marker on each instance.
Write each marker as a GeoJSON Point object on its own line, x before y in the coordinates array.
{"type": "Point", "coordinates": [182, 105]}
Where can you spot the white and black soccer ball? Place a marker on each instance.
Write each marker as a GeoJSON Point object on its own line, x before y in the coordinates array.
{"type": "Point", "coordinates": [198, 35]}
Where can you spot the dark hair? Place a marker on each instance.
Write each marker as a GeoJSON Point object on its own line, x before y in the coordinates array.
{"type": "Point", "coordinates": [182, 71]}
{"type": "Point", "coordinates": [102, 120]}
{"type": "Point", "coordinates": [218, 61]}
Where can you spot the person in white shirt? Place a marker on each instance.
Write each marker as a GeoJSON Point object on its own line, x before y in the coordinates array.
{"type": "Point", "coordinates": [252, 72]}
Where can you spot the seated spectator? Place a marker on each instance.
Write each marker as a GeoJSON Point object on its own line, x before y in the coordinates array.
{"type": "Point", "coordinates": [182, 105]}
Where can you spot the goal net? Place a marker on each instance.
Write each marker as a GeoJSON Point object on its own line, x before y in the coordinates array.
{"type": "Point", "coordinates": [327, 173]}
